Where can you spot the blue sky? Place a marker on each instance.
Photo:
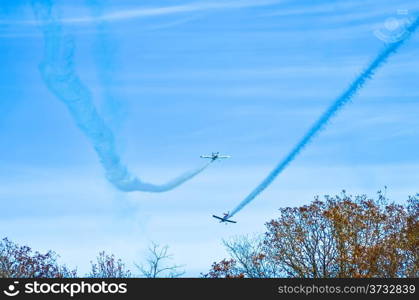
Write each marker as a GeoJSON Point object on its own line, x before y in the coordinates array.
{"type": "Point", "coordinates": [244, 77]}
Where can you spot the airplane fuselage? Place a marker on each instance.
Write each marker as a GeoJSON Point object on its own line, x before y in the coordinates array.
{"type": "Point", "coordinates": [214, 156]}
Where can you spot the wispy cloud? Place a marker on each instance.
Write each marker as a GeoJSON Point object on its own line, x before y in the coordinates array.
{"type": "Point", "coordinates": [136, 13]}
{"type": "Point", "coordinates": [172, 24]}
{"type": "Point", "coordinates": [170, 10]}
{"type": "Point", "coordinates": [364, 7]}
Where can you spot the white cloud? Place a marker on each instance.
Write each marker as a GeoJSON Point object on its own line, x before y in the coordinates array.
{"type": "Point", "coordinates": [169, 10]}
{"type": "Point", "coordinates": [135, 13]}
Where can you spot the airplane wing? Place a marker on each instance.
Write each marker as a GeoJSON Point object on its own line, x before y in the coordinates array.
{"type": "Point", "coordinates": [230, 221]}
{"type": "Point", "coordinates": [223, 220]}
{"type": "Point", "coordinates": [217, 217]}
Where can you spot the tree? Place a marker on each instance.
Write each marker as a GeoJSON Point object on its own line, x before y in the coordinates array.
{"type": "Point", "coordinates": [247, 260]}
{"type": "Point", "coordinates": [21, 262]}
{"type": "Point", "coordinates": [225, 269]}
{"type": "Point", "coordinates": [107, 266]}
{"type": "Point", "coordinates": [343, 236]}
{"type": "Point", "coordinates": [158, 263]}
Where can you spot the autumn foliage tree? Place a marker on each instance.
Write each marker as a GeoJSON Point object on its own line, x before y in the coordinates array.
{"type": "Point", "coordinates": [342, 236]}
{"type": "Point", "coordinates": [21, 262]}
{"type": "Point", "coordinates": [107, 266]}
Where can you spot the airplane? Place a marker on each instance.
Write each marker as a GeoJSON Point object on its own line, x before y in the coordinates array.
{"type": "Point", "coordinates": [224, 219]}
{"type": "Point", "coordinates": [215, 155]}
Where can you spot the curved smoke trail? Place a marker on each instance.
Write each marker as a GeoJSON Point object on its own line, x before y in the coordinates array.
{"type": "Point", "coordinates": [59, 74]}
{"type": "Point", "coordinates": [338, 104]}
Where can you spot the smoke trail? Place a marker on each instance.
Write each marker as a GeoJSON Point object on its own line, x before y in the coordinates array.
{"type": "Point", "coordinates": [59, 74]}
{"type": "Point", "coordinates": [338, 104]}
{"type": "Point", "coordinates": [105, 49]}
